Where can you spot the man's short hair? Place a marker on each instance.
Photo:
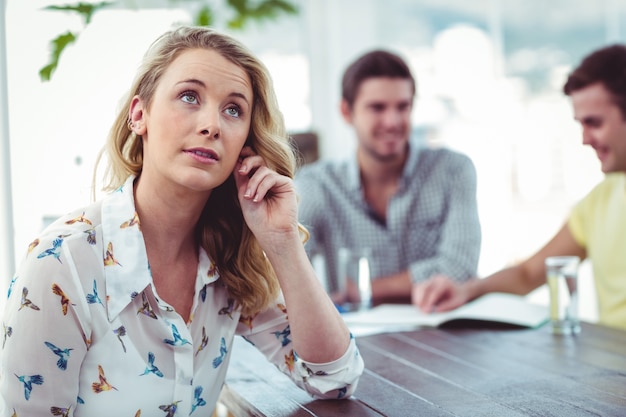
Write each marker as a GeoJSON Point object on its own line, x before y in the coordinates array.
{"type": "Point", "coordinates": [377, 63]}
{"type": "Point", "coordinates": [607, 66]}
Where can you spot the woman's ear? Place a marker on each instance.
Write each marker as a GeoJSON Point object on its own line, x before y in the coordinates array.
{"type": "Point", "coordinates": [136, 119]}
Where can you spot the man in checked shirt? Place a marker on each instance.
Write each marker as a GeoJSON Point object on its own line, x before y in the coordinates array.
{"type": "Point", "coordinates": [412, 208]}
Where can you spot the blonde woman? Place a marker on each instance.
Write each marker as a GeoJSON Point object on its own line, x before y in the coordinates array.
{"type": "Point", "coordinates": [129, 306]}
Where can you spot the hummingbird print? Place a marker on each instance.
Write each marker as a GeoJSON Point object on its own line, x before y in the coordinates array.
{"type": "Point", "coordinates": [178, 340]}
{"type": "Point", "coordinates": [170, 408]}
{"type": "Point", "coordinates": [203, 293]}
{"type": "Point", "coordinates": [132, 222]}
{"type": "Point", "coordinates": [151, 368]}
{"type": "Point", "coordinates": [228, 310]}
{"type": "Point", "coordinates": [64, 300]}
{"type": "Point", "coordinates": [63, 355]}
{"type": "Point", "coordinates": [282, 308]}
{"type": "Point", "coordinates": [205, 341]}
{"type": "Point", "coordinates": [32, 245]}
{"type": "Point", "coordinates": [79, 219]}
{"type": "Point", "coordinates": [91, 236]}
{"type": "Point", "coordinates": [109, 259]}
{"type": "Point", "coordinates": [102, 384]}
{"type": "Point", "coordinates": [290, 360]}
{"type": "Point", "coordinates": [8, 331]}
{"type": "Point", "coordinates": [146, 309]}
{"type": "Point", "coordinates": [94, 298]}
{"type": "Point", "coordinates": [247, 320]}
{"type": "Point", "coordinates": [197, 400]}
{"type": "Point", "coordinates": [58, 411]}
{"type": "Point", "coordinates": [55, 250]}
{"type": "Point", "coordinates": [26, 302]}
{"type": "Point", "coordinates": [121, 331]}
{"type": "Point", "coordinates": [223, 351]}
{"type": "Point", "coordinates": [212, 270]}
{"type": "Point", "coordinates": [11, 287]}
{"type": "Point", "coordinates": [28, 382]}
{"type": "Point", "coordinates": [283, 336]}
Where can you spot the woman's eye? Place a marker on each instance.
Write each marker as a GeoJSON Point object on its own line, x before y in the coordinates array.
{"type": "Point", "coordinates": [189, 97]}
{"type": "Point", "coordinates": [233, 111]}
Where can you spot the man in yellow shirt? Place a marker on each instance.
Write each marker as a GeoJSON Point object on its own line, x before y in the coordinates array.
{"type": "Point", "coordinates": [596, 228]}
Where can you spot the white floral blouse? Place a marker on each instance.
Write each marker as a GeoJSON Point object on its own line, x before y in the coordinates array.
{"type": "Point", "coordinates": [85, 333]}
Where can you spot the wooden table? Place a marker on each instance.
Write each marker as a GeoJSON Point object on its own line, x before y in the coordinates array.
{"type": "Point", "coordinates": [453, 372]}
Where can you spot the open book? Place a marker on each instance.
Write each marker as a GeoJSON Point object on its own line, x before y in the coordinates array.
{"type": "Point", "coordinates": [491, 309]}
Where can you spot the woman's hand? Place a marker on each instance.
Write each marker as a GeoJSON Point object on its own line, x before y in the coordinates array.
{"type": "Point", "coordinates": [268, 200]}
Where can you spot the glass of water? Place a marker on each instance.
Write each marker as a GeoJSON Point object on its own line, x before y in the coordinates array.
{"type": "Point", "coordinates": [562, 279]}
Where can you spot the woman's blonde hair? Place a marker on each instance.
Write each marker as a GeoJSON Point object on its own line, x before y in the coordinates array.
{"type": "Point", "coordinates": [221, 230]}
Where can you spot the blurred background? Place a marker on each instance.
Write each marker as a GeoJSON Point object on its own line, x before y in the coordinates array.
{"type": "Point", "coordinates": [489, 75]}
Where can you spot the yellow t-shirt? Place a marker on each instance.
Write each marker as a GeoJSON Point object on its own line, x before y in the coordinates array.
{"type": "Point", "coordinates": [598, 223]}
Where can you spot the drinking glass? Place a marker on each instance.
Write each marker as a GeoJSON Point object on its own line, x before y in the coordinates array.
{"type": "Point", "coordinates": [354, 279]}
{"type": "Point", "coordinates": [562, 278]}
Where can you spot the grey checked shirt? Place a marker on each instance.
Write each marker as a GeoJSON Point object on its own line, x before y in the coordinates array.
{"type": "Point", "coordinates": [432, 224]}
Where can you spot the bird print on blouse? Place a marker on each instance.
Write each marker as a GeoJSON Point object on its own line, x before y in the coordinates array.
{"type": "Point", "coordinates": [177, 339]}
{"type": "Point", "coordinates": [28, 382]}
{"type": "Point", "coordinates": [10, 290]}
{"type": "Point", "coordinates": [223, 351]}
{"type": "Point", "coordinates": [248, 320]}
{"type": "Point", "coordinates": [170, 409]}
{"type": "Point", "coordinates": [79, 219]}
{"type": "Point", "coordinates": [145, 308]}
{"type": "Point", "coordinates": [60, 411]}
{"type": "Point", "coordinates": [94, 298]}
{"type": "Point", "coordinates": [121, 331]}
{"type": "Point", "coordinates": [64, 300]}
{"type": "Point", "coordinates": [26, 302]}
{"type": "Point", "coordinates": [282, 308]}
{"type": "Point", "coordinates": [109, 259]}
{"type": "Point", "coordinates": [102, 384]}
{"type": "Point", "coordinates": [283, 336]}
{"type": "Point", "coordinates": [228, 309]}
{"type": "Point", "coordinates": [197, 400]}
{"type": "Point", "coordinates": [204, 342]}
{"type": "Point", "coordinates": [152, 368]}
{"type": "Point", "coordinates": [63, 355]}
{"type": "Point", "coordinates": [32, 245]}
{"type": "Point", "coordinates": [91, 236]}
{"type": "Point", "coordinates": [54, 251]}
{"type": "Point", "coordinates": [310, 372]}
{"type": "Point", "coordinates": [8, 332]}
{"type": "Point", "coordinates": [110, 320]}
{"type": "Point", "coordinates": [290, 360]}
{"type": "Point", "coordinates": [134, 221]}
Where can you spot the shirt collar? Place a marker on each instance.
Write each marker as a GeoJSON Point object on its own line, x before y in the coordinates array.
{"type": "Point", "coordinates": [126, 268]}
{"type": "Point", "coordinates": [408, 172]}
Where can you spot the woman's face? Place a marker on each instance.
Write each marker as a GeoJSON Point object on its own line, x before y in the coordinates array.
{"type": "Point", "coordinates": [197, 123]}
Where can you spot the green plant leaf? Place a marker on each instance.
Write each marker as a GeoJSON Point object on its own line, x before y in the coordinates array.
{"type": "Point", "coordinates": [84, 9]}
{"type": "Point", "coordinates": [58, 45]}
{"type": "Point", "coordinates": [248, 10]}
{"type": "Point", "coordinates": [204, 17]}
{"type": "Point", "coordinates": [245, 10]}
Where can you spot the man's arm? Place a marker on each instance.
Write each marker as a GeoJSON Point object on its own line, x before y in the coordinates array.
{"type": "Point", "coordinates": [441, 294]}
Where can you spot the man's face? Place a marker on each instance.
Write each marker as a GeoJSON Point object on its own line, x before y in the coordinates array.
{"type": "Point", "coordinates": [381, 117]}
{"type": "Point", "coordinates": [603, 125]}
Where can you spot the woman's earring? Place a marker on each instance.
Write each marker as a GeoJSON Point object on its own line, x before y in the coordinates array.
{"type": "Point", "coordinates": [130, 124]}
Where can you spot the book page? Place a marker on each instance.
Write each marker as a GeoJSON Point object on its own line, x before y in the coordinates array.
{"type": "Point", "coordinates": [494, 307]}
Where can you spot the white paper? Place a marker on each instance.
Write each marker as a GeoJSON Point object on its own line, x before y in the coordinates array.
{"type": "Point", "coordinates": [493, 307]}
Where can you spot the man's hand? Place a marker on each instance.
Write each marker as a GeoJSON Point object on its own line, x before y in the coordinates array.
{"type": "Point", "coordinates": [439, 294]}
